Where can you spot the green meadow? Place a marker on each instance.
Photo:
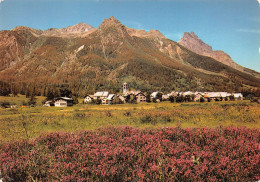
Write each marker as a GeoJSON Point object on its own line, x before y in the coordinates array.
{"type": "Point", "coordinates": [30, 122]}
{"type": "Point", "coordinates": [20, 100]}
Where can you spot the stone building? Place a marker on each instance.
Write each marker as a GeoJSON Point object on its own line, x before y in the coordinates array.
{"type": "Point", "coordinates": [140, 97]}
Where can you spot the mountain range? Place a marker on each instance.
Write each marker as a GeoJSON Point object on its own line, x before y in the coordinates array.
{"type": "Point", "coordinates": [86, 59]}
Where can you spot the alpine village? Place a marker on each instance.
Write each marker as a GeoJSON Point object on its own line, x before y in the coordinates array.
{"type": "Point", "coordinates": [133, 96]}
{"type": "Point", "coordinates": [83, 62]}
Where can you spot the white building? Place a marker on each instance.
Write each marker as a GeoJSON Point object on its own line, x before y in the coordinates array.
{"type": "Point", "coordinates": [100, 95]}
{"type": "Point", "coordinates": [63, 102]}
{"type": "Point", "coordinates": [238, 96]}
{"type": "Point", "coordinates": [108, 100]}
{"type": "Point", "coordinates": [88, 99]}
{"type": "Point", "coordinates": [154, 95]}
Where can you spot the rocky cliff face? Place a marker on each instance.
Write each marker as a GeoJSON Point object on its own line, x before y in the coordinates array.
{"type": "Point", "coordinates": [80, 28]}
{"type": "Point", "coordinates": [192, 42]}
{"type": "Point", "coordinates": [82, 56]}
{"type": "Point", "coordinates": [15, 45]}
{"type": "Point", "coordinates": [144, 34]}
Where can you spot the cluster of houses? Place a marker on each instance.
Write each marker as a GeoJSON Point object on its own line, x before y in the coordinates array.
{"type": "Point", "coordinates": [105, 98]}
{"type": "Point", "coordinates": [133, 96]}
{"type": "Point", "coordinates": [205, 96]}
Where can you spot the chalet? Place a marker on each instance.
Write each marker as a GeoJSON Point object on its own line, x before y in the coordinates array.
{"type": "Point", "coordinates": [174, 94]}
{"type": "Point", "coordinates": [48, 103]}
{"type": "Point", "coordinates": [100, 95]}
{"type": "Point", "coordinates": [225, 96]}
{"type": "Point", "coordinates": [122, 99]}
{"type": "Point", "coordinates": [118, 99]}
{"type": "Point", "coordinates": [156, 96]}
{"type": "Point", "coordinates": [130, 98]}
{"type": "Point", "coordinates": [188, 93]}
{"type": "Point", "coordinates": [198, 96]}
{"type": "Point", "coordinates": [140, 97]}
{"type": "Point", "coordinates": [88, 99]}
{"type": "Point", "coordinates": [188, 96]}
{"type": "Point", "coordinates": [212, 96]}
{"type": "Point", "coordinates": [229, 95]}
{"type": "Point", "coordinates": [63, 102]}
{"type": "Point", "coordinates": [108, 100]}
{"type": "Point", "coordinates": [132, 92]}
{"type": "Point", "coordinates": [238, 96]}
{"type": "Point", "coordinates": [217, 96]}
{"type": "Point", "coordinates": [165, 97]}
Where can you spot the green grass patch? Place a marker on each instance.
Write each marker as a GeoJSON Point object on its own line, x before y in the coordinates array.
{"type": "Point", "coordinates": [24, 123]}
{"type": "Point", "coordinates": [20, 99]}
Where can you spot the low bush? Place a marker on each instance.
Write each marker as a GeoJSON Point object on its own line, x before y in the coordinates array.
{"type": "Point", "coordinates": [148, 119]}
{"type": "Point", "coordinates": [5, 104]}
{"type": "Point", "coordinates": [108, 113]}
{"type": "Point", "coordinates": [129, 154]}
{"type": "Point", "coordinates": [79, 115]}
{"type": "Point", "coordinates": [127, 113]}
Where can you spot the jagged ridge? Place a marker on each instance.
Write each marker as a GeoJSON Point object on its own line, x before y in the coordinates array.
{"type": "Point", "coordinates": [192, 42]}
{"type": "Point", "coordinates": [106, 57]}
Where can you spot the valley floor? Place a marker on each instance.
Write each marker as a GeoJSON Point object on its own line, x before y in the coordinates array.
{"type": "Point", "coordinates": [26, 123]}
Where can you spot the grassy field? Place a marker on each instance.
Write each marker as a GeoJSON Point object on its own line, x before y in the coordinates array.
{"type": "Point", "coordinates": [24, 123]}
{"type": "Point", "coordinates": [20, 99]}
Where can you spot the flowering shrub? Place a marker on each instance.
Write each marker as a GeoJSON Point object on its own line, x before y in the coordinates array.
{"type": "Point", "coordinates": [129, 154]}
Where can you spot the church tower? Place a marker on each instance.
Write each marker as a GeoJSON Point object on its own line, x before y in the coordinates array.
{"type": "Point", "coordinates": [125, 88]}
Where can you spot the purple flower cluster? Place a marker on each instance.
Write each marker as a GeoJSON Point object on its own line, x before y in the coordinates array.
{"type": "Point", "coordinates": [130, 154]}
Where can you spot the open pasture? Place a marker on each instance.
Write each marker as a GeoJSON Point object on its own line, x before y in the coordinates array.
{"type": "Point", "coordinates": [25, 123]}
{"type": "Point", "coordinates": [216, 141]}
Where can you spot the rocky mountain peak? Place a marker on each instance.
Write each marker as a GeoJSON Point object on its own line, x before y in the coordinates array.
{"type": "Point", "coordinates": [21, 28]}
{"type": "Point", "coordinates": [78, 28]}
{"type": "Point", "coordinates": [195, 44]}
{"type": "Point", "coordinates": [191, 34]}
{"type": "Point", "coordinates": [112, 21]}
{"type": "Point", "coordinates": [27, 29]}
{"type": "Point", "coordinates": [111, 27]}
{"type": "Point", "coordinates": [192, 42]}
{"type": "Point", "coordinates": [156, 34]}
{"type": "Point", "coordinates": [143, 33]}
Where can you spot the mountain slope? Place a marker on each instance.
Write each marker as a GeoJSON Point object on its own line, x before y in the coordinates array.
{"type": "Point", "coordinates": [81, 28]}
{"type": "Point", "coordinates": [192, 42]}
{"type": "Point", "coordinates": [106, 57]}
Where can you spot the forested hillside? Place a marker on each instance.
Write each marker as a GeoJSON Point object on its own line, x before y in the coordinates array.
{"type": "Point", "coordinates": [84, 60]}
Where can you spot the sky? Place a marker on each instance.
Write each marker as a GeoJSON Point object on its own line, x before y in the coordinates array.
{"type": "Point", "coordinates": [229, 25]}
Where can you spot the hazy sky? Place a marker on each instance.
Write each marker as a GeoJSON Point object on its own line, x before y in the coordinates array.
{"type": "Point", "coordinates": [229, 25]}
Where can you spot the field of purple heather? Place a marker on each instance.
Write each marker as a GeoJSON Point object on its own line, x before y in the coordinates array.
{"type": "Point", "coordinates": [130, 154]}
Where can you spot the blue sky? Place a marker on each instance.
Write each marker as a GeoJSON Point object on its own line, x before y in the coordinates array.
{"type": "Point", "coordinates": [229, 25]}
